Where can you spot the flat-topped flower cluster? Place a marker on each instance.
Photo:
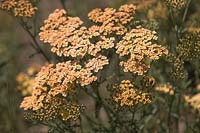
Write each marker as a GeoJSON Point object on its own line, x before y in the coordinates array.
{"type": "Point", "coordinates": [84, 50]}
{"type": "Point", "coordinates": [127, 94]}
{"type": "Point", "coordinates": [20, 8]}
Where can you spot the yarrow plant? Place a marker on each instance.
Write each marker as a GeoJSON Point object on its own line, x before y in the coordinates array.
{"type": "Point", "coordinates": [86, 52]}
{"type": "Point", "coordinates": [135, 71]}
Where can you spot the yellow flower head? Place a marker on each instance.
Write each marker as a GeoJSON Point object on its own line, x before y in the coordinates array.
{"type": "Point", "coordinates": [127, 95]}
{"type": "Point", "coordinates": [20, 8]}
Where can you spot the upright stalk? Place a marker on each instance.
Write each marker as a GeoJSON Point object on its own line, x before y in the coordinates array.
{"type": "Point", "coordinates": [36, 45]}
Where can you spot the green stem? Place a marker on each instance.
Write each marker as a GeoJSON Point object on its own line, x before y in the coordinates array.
{"type": "Point", "coordinates": [186, 11]}
{"type": "Point", "coordinates": [36, 46]}
{"type": "Point", "coordinates": [53, 126]}
{"type": "Point", "coordinates": [63, 4]}
{"type": "Point", "coordinates": [170, 110]}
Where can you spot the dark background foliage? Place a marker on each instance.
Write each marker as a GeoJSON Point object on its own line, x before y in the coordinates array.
{"type": "Point", "coordinates": [16, 56]}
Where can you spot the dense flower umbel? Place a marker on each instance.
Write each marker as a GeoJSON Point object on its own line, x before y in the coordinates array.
{"type": "Point", "coordinates": [189, 47]}
{"type": "Point", "coordinates": [111, 20]}
{"type": "Point", "coordinates": [20, 8]}
{"type": "Point", "coordinates": [177, 67]}
{"type": "Point", "coordinates": [96, 64]}
{"type": "Point", "coordinates": [49, 83]}
{"type": "Point", "coordinates": [54, 108]}
{"type": "Point", "coordinates": [139, 45]}
{"type": "Point", "coordinates": [62, 33]}
{"type": "Point", "coordinates": [127, 95]}
{"type": "Point", "coordinates": [68, 37]}
{"type": "Point", "coordinates": [52, 81]}
{"type": "Point", "coordinates": [176, 4]}
{"type": "Point", "coordinates": [68, 72]}
{"type": "Point", "coordinates": [51, 86]}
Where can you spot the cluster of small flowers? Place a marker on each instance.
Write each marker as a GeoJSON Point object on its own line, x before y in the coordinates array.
{"type": "Point", "coordinates": [193, 101]}
{"type": "Point", "coordinates": [69, 38]}
{"type": "Point", "coordinates": [127, 94]}
{"type": "Point", "coordinates": [71, 111]}
{"type": "Point", "coordinates": [26, 80]}
{"type": "Point", "coordinates": [52, 81]}
{"type": "Point", "coordinates": [82, 46]}
{"type": "Point", "coordinates": [55, 108]}
{"type": "Point", "coordinates": [68, 72]}
{"type": "Point", "coordinates": [20, 8]}
{"type": "Point", "coordinates": [47, 100]}
{"type": "Point", "coordinates": [177, 67]}
{"type": "Point", "coordinates": [138, 43]}
{"type": "Point", "coordinates": [165, 88]}
{"type": "Point", "coordinates": [189, 47]}
{"type": "Point", "coordinates": [176, 4]}
{"type": "Point", "coordinates": [49, 84]}
{"type": "Point", "coordinates": [112, 21]}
